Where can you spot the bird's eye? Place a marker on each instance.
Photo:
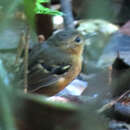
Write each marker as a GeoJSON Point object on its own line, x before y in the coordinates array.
{"type": "Point", "coordinates": [77, 39]}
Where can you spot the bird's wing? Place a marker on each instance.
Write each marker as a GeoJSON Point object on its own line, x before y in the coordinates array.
{"type": "Point", "coordinates": [47, 54]}
{"type": "Point", "coordinates": [43, 71]}
{"type": "Point", "coordinates": [43, 75]}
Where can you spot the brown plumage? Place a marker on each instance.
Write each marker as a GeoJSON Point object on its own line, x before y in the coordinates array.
{"type": "Point", "coordinates": [56, 62]}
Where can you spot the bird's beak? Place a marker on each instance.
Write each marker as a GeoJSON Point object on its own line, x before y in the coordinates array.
{"type": "Point", "coordinates": [90, 35]}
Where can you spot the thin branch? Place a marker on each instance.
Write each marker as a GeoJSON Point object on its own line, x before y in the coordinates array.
{"type": "Point", "coordinates": [110, 104]}
{"type": "Point", "coordinates": [26, 62]}
{"type": "Point", "coordinates": [68, 16]}
{"type": "Point", "coordinates": [20, 47]}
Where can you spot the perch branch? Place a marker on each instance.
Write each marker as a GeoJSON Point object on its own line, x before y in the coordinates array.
{"type": "Point", "coordinates": [68, 16]}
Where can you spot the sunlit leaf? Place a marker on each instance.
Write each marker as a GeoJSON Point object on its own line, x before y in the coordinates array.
{"type": "Point", "coordinates": [43, 1]}
{"type": "Point", "coordinates": [40, 9]}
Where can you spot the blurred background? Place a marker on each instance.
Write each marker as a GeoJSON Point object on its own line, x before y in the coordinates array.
{"type": "Point", "coordinates": [94, 87]}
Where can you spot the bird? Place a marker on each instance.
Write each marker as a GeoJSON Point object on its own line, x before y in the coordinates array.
{"type": "Point", "coordinates": [56, 62]}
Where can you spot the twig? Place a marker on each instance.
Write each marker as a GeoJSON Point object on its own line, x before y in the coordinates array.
{"type": "Point", "coordinates": [26, 61]}
{"type": "Point", "coordinates": [68, 16]}
{"type": "Point", "coordinates": [20, 47]}
{"type": "Point", "coordinates": [109, 105]}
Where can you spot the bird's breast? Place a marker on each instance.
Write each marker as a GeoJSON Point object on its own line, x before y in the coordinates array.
{"type": "Point", "coordinates": [72, 73]}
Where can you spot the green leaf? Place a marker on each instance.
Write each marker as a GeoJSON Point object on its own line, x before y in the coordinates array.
{"type": "Point", "coordinates": [43, 1]}
{"type": "Point", "coordinates": [40, 9]}
{"type": "Point", "coordinates": [6, 113]}
{"type": "Point", "coordinates": [29, 6]}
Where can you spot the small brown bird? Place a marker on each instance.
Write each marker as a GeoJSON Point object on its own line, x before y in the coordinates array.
{"type": "Point", "coordinates": [56, 62]}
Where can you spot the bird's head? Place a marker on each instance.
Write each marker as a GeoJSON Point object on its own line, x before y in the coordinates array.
{"type": "Point", "coordinates": [71, 41]}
